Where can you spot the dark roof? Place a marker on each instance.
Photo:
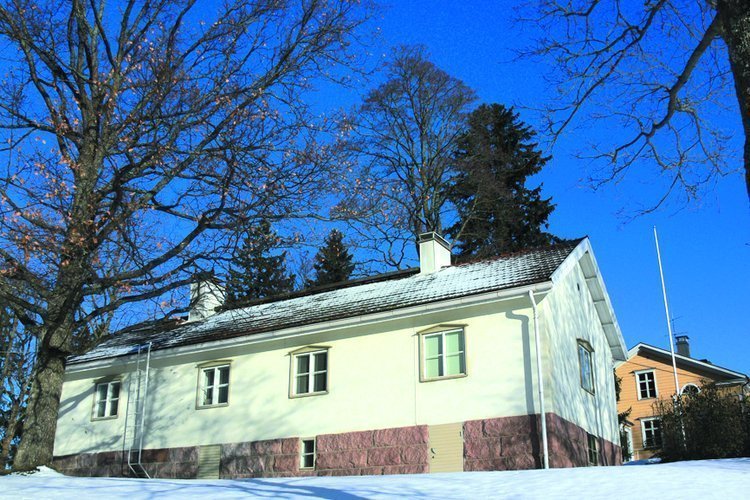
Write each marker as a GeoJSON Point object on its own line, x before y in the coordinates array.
{"type": "Point", "coordinates": [697, 364]}
{"type": "Point", "coordinates": [374, 295]}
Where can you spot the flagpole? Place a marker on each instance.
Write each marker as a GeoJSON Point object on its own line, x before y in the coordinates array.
{"type": "Point", "coordinates": [666, 310]}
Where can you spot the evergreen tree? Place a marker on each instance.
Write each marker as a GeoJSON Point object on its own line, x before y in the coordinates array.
{"type": "Point", "coordinates": [255, 272]}
{"type": "Point", "coordinates": [496, 211]}
{"type": "Point", "coordinates": [333, 262]}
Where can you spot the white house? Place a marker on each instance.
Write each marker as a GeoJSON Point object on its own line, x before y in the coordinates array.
{"type": "Point", "coordinates": [441, 368]}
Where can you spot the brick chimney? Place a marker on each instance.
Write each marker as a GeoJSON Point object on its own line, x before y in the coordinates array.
{"type": "Point", "coordinates": [683, 345]}
{"type": "Point", "coordinates": [434, 253]}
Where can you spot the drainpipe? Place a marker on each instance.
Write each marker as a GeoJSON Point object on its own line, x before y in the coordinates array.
{"type": "Point", "coordinates": [540, 378]}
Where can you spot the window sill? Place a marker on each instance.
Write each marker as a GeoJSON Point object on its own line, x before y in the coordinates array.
{"type": "Point", "coordinates": [206, 407]}
{"type": "Point", "coordinates": [588, 391]}
{"type": "Point", "coordinates": [307, 395]}
{"type": "Point", "coordinates": [448, 377]}
{"type": "Point", "coordinates": [98, 419]}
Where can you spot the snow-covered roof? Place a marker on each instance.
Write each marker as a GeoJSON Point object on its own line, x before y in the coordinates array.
{"type": "Point", "coordinates": [400, 290]}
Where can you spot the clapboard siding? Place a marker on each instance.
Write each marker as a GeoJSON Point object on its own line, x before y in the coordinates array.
{"type": "Point", "coordinates": [665, 387]}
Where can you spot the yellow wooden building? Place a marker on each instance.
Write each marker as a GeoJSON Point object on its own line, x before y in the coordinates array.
{"type": "Point", "coordinates": [648, 376]}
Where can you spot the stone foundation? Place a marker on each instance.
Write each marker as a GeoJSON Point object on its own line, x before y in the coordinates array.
{"type": "Point", "coordinates": [174, 463]}
{"type": "Point", "coordinates": [513, 443]}
{"type": "Point", "coordinates": [509, 443]}
{"type": "Point", "coordinates": [270, 458]}
{"type": "Point", "coordinates": [105, 464]}
{"type": "Point", "coordinates": [387, 451]}
{"type": "Point", "coordinates": [401, 450]}
{"type": "Point", "coordinates": [568, 445]}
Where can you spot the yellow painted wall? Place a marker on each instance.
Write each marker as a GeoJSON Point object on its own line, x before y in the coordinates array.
{"type": "Point", "coordinates": [373, 380]}
{"type": "Point", "coordinates": [373, 383]}
{"type": "Point", "coordinates": [569, 315]}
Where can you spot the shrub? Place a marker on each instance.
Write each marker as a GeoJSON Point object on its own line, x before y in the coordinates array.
{"type": "Point", "coordinates": [709, 424]}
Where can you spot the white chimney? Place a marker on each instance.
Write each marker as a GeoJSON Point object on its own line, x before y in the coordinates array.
{"type": "Point", "coordinates": [205, 297]}
{"type": "Point", "coordinates": [434, 253]}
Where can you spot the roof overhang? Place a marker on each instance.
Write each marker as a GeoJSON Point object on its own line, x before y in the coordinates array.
{"type": "Point", "coordinates": [730, 375]}
{"type": "Point", "coordinates": [584, 255]}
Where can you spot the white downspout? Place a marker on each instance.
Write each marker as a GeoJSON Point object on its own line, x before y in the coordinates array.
{"type": "Point", "coordinates": [540, 379]}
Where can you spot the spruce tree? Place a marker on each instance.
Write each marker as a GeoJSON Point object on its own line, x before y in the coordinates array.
{"type": "Point", "coordinates": [333, 262]}
{"type": "Point", "coordinates": [496, 212]}
{"type": "Point", "coordinates": [255, 272]}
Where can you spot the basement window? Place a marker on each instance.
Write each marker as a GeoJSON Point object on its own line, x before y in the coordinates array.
{"type": "Point", "coordinates": [586, 365]}
{"type": "Point", "coordinates": [106, 399]}
{"type": "Point", "coordinates": [593, 450]}
{"type": "Point", "coordinates": [443, 355]}
{"type": "Point", "coordinates": [307, 454]}
{"type": "Point", "coordinates": [214, 386]}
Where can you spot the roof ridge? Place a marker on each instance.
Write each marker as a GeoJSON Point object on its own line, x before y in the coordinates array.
{"type": "Point", "coordinates": [340, 285]}
{"type": "Point", "coordinates": [665, 352]}
{"type": "Point", "coordinates": [385, 292]}
{"type": "Point", "coordinates": [393, 275]}
{"type": "Point", "coordinates": [567, 243]}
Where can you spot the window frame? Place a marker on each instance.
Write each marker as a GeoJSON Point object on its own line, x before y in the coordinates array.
{"type": "Point", "coordinates": [213, 365]}
{"type": "Point", "coordinates": [95, 407]}
{"type": "Point", "coordinates": [586, 347]}
{"type": "Point", "coordinates": [644, 421]}
{"type": "Point", "coordinates": [690, 384]}
{"type": "Point", "coordinates": [637, 374]}
{"type": "Point", "coordinates": [442, 330]}
{"type": "Point", "coordinates": [308, 351]}
{"type": "Point", "coordinates": [592, 449]}
{"type": "Point", "coordinates": [303, 454]}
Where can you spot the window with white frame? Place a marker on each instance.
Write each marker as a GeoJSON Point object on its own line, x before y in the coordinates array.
{"type": "Point", "coordinates": [443, 354]}
{"type": "Point", "coordinates": [690, 390]}
{"type": "Point", "coordinates": [586, 365]}
{"type": "Point", "coordinates": [646, 381]}
{"type": "Point", "coordinates": [310, 375]}
{"type": "Point", "coordinates": [651, 429]}
{"type": "Point", "coordinates": [593, 450]}
{"type": "Point", "coordinates": [106, 399]}
{"type": "Point", "coordinates": [307, 454]}
{"type": "Point", "coordinates": [214, 386]}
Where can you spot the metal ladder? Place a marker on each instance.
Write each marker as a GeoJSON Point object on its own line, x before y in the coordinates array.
{"type": "Point", "coordinates": [135, 417]}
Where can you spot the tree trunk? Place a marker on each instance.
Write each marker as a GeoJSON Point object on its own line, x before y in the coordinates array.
{"type": "Point", "coordinates": [11, 430]}
{"type": "Point", "coordinates": [735, 17]}
{"type": "Point", "coordinates": [39, 427]}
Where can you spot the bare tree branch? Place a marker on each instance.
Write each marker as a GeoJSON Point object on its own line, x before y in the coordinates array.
{"type": "Point", "coordinates": [656, 70]}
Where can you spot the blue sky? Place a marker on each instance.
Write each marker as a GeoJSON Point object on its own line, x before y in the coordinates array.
{"type": "Point", "coordinates": [705, 246]}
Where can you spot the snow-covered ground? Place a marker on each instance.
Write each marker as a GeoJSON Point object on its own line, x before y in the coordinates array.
{"type": "Point", "coordinates": [704, 479]}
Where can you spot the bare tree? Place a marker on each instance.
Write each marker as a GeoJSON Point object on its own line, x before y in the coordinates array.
{"type": "Point", "coordinates": [403, 137]}
{"type": "Point", "coordinates": [664, 69]}
{"type": "Point", "coordinates": [136, 137]}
